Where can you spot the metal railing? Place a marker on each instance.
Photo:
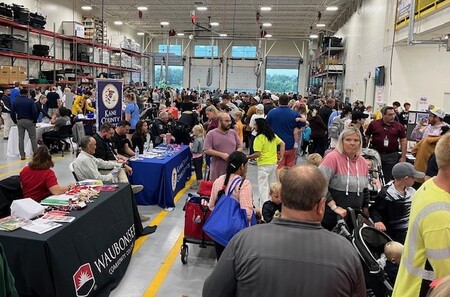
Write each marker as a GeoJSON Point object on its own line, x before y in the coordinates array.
{"type": "Point", "coordinates": [423, 9]}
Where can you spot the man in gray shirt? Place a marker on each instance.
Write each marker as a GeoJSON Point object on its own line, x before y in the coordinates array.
{"type": "Point", "coordinates": [293, 255]}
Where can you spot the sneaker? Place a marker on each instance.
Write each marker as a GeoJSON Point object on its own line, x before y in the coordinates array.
{"type": "Point", "coordinates": [144, 218]}
{"type": "Point", "coordinates": [22, 158]}
{"type": "Point", "coordinates": [5, 138]}
{"type": "Point", "coordinates": [137, 188]}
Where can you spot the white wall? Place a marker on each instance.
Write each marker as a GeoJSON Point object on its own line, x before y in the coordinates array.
{"type": "Point", "coordinates": [412, 72]}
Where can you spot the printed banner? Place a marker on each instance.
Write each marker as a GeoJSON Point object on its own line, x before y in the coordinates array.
{"type": "Point", "coordinates": [109, 94]}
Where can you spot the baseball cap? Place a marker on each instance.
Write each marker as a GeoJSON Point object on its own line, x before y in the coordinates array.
{"type": "Point", "coordinates": [404, 169]}
{"type": "Point", "coordinates": [257, 99]}
{"type": "Point", "coordinates": [274, 97]}
{"type": "Point", "coordinates": [347, 109]}
{"type": "Point", "coordinates": [357, 115]}
{"type": "Point", "coordinates": [439, 112]}
{"type": "Point", "coordinates": [259, 107]}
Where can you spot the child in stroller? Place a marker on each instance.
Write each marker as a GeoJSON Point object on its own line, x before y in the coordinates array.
{"type": "Point", "coordinates": [370, 244]}
{"type": "Point", "coordinates": [375, 176]}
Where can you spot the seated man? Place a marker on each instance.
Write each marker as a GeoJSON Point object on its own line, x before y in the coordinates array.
{"type": "Point", "coordinates": [86, 166]}
{"type": "Point", "coordinates": [60, 118]}
{"type": "Point", "coordinates": [104, 148]}
{"type": "Point", "coordinates": [121, 145]}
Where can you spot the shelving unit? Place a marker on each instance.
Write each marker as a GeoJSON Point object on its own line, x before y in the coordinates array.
{"type": "Point", "coordinates": [327, 70]}
{"type": "Point", "coordinates": [65, 40]}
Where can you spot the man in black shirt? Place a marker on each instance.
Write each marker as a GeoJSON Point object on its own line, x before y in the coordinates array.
{"type": "Point", "coordinates": [52, 101]}
{"type": "Point", "coordinates": [159, 128]}
{"type": "Point", "coordinates": [120, 141]}
{"type": "Point", "coordinates": [104, 149]}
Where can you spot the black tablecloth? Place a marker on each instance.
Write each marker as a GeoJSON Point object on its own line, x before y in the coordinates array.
{"type": "Point", "coordinates": [86, 257]}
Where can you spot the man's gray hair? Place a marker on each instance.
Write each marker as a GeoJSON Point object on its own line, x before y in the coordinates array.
{"type": "Point", "coordinates": [163, 115]}
{"type": "Point", "coordinates": [85, 141]}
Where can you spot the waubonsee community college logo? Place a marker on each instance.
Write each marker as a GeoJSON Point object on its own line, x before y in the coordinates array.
{"type": "Point", "coordinates": [84, 280]}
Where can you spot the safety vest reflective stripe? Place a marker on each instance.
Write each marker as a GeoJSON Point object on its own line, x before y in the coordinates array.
{"type": "Point", "coordinates": [434, 254]}
{"type": "Point", "coordinates": [438, 254]}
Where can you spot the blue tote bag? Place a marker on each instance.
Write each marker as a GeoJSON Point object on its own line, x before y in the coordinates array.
{"type": "Point", "coordinates": [227, 218]}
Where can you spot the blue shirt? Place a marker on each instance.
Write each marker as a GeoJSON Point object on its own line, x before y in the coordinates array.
{"type": "Point", "coordinates": [23, 108]}
{"type": "Point", "coordinates": [282, 121]}
{"type": "Point", "coordinates": [14, 93]}
{"type": "Point", "coordinates": [133, 110]}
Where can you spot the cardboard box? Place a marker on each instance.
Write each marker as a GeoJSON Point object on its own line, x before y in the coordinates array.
{"type": "Point", "coordinates": [5, 74]}
{"type": "Point", "coordinates": [17, 73]}
{"type": "Point", "coordinates": [71, 28]}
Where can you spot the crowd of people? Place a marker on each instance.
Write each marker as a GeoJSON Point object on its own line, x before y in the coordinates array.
{"type": "Point", "coordinates": [407, 202]}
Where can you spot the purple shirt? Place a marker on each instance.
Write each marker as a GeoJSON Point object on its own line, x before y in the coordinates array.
{"type": "Point", "coordinates": [378, 130]}
{"type": "Point", "coordinates": [225, 143]}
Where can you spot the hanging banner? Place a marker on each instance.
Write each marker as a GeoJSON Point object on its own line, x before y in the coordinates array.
{"type": "Point", "coordinates": [109, 94]}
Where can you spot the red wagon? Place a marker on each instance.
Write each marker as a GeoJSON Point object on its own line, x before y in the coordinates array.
{"type": "Point", "coordinates": [196, 213]}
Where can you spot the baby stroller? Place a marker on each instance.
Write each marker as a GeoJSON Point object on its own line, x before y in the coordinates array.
{"type": "Point", "coordinates": [375, 171]}
{"type": "Point", "coordinates": [196, 213]}
{"type": "Point", "coordinates": [369, 243]}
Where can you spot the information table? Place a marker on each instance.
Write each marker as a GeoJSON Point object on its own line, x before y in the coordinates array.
{"type": "Point", "coordinates": [161, 178]}
{"type": "Point", "coordinates": [86, 257]}
{"type": "Point", "coordinates": [13, 139]}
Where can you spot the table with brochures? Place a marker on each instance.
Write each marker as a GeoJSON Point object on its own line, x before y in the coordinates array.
{"type": "Point", "coordinates": [87, 257]}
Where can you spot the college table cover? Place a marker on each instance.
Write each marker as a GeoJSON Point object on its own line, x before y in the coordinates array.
{"type": "Point", "coordinates": [161, 178]}
{"type": "Point", "coordinates": [86, 257]}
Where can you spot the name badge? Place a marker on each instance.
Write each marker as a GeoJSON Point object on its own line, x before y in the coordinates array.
{"type": "Point", "coordinates": [386, 142]}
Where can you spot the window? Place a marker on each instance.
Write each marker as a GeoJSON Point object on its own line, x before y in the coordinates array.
{"type": "Point", "coordinates": [174, 79]}
{"type": "Point", "coordinates": [205, 51]}
{"type": "Point", "coordinates": [239, 51]}
{"type": "Point", "coordinates": [173, 49]}
{"type": "Point", "coordinates": [282, 80]}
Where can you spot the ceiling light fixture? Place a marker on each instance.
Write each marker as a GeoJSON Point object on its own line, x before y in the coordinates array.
{"type": "Point", "coordinates": [140, 33]}
{"type": "Point", "coordinates": [266, 8]}
{"type": "Point", "coordinates": [320, 25]}
{"type": "Point", "coordinates": [142, 8]}
{"type": "Point", "coordinates": [267, 25]}
{"type": "Point", "coordinates": [313, 36]}
{"type": "Point", "coordinates": [332, 8]}
{"type": "Point", "coordinates": [180, 34]}
{"type": "Point", "coordinates": [214, 24]}
{"type": "Point", "coordinates": [202, 8]}
{"type": "Point", "coordinates": [86, 7]}
{"type": "Point", "coordinates": [268, 35]}
{"type": "Point", "coordinates": [118, 23]}
{"type": "Point", "coordinates": [223, 35]}
{"type": "Point", "coordinates": [164, 23]}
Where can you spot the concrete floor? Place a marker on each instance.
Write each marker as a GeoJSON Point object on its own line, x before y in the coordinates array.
{"type": "Point", "coordinates": [155, 268]}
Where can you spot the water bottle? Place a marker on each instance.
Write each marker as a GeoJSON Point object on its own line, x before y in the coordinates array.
{"type": "Point", "coordinates": [136, 152]}
{"type": "Point", "coordinates": [145, 148]}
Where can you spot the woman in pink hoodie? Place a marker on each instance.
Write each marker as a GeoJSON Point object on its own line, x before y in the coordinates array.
{"type": "Point", "coordinates": [346, 171]}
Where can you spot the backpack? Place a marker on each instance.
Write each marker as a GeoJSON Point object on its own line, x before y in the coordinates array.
{"type": "Point", "coordinates": [336, 127]}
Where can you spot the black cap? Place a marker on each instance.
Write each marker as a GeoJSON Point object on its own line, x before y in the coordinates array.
{"type": "Point", "coordinates": [357, 115]}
